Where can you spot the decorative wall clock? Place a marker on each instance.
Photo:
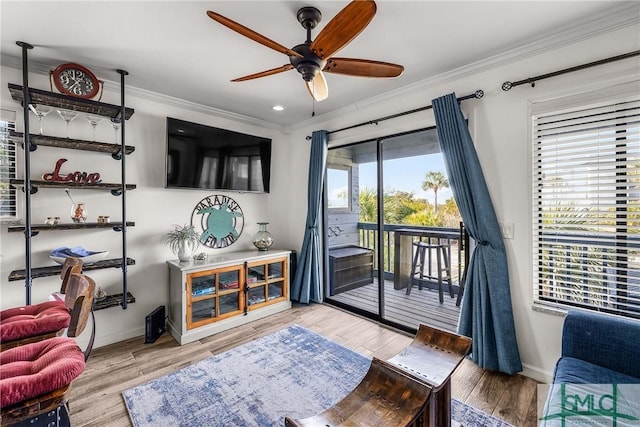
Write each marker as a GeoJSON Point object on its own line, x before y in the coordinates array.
{"type": "Point", "coordinates": [75, 80]}
{"type": "Point", "coordinates": [219, 220]}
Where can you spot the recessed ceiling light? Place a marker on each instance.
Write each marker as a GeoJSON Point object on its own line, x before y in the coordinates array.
{"type": "Point", "coordinates": [278, 107]}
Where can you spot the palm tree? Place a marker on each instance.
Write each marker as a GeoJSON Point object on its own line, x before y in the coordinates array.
{"type": "Point", "coordinates": [368, 205]}
{"type": "Point", "coordinates": [435, 180]}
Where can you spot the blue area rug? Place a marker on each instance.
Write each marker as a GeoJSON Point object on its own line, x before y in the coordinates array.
{"type": "Point", "coordinates": [292, 372]}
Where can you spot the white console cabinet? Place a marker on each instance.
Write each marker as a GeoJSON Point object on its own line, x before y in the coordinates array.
{"type": "Point", "coordinates": [226, 291]}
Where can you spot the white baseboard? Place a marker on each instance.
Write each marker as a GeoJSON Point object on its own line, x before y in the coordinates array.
{"type": "Point", "coordinates": [117, 337]}
{"type": "Point", "coordinates": [537, 374]}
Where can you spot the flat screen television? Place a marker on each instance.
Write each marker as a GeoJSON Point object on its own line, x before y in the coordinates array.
{"type": "Point", "coordinates": [205, 157]}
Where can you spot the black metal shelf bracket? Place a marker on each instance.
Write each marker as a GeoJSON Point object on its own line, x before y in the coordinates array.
{"type": "Point", "coordinates": [116, 192]}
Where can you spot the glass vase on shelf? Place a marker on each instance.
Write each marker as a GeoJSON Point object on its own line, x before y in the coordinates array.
{"type": "Point", "coordinates": [263, 239]}
{"type": "Point", "coordinates": [78, 212]}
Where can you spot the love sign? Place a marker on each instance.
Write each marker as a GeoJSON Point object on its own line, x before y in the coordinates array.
{"type": "Point", "coordinates": [76, 177]}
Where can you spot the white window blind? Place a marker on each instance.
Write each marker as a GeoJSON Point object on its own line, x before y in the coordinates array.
{"type": "Point", "coordinates": [586, 201]}
{"type": "Point", "coordinates": [8, 209]}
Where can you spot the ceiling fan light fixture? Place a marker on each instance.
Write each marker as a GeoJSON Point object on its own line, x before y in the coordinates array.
{"type": "Point", "coordinates": [314, 57]}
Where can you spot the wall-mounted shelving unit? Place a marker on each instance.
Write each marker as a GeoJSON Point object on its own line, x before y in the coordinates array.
{"type": "Point", "coordinates": [27, 97]}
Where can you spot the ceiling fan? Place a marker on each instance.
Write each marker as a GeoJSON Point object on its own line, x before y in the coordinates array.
{"type": "Point", "coordinates": [314, 57]}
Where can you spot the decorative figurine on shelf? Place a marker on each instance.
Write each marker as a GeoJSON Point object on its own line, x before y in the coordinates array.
{"type": "Point", "coordinates": [104, 219]}
{"type": "Point", "coordinates": [78, 210]}
{"type": "Point", "coordinates": [78, 213]}
{"type": "Point", "coordinates": [100, 294]}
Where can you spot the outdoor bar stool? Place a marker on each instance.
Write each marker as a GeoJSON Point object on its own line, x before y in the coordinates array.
{"type": "Point", "coordinates": [423, 253]}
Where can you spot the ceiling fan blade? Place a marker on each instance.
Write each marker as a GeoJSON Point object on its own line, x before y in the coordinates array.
{"type": "Point", "coordinates": [362, 67]}
{"type": "Point", "coordinates": [264, 73]}
{"type": "Point", "coordinates": [241, 29]}
{"type": "Point", "coordinates": [343, 28]}
{"type": "Point", "coordinates": [318, 88]}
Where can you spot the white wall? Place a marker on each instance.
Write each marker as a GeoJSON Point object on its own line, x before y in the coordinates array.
{"type": "Point", "coordinates": [498, 122]}
{"type": "Point", "coordinates": [499, 125]}
{"type": "Point", "coordinates": [153, 208]}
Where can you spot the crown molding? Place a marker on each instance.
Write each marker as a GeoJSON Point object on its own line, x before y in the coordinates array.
{"type": "Point", "coordinates": [621, 16]}
{"type": "Point", "coordinates": [113, 86]}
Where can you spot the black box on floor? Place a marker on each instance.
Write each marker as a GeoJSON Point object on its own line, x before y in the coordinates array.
{"type": "Point", "coordinates": [154, 325]}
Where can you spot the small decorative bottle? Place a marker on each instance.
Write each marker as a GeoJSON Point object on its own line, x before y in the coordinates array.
{"type": "Point", "coordinates": [78, 212]}
{"type": "Point", "coordinates": [263, 239]}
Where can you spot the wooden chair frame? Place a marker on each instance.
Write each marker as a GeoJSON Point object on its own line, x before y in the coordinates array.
{"type": "Point", "coordinates": [387, 396]}
{"type": "Point", "coordinates": [79, 301]}
{"type": "Point", "coordinates": [432, 357]}
{"type": "Point", "coordinates": [37, 406]}
{"type": "Point", "coordinates": [71, 266]}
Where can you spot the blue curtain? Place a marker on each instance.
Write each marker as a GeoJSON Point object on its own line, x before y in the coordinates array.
{"type": "Point", "coordinates": [307, 284]}
{"type": "Point", "coordinates": [486, 314]}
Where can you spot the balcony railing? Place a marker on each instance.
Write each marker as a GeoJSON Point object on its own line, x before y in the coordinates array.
{"type": "Point", "coordinates": [368, 238]}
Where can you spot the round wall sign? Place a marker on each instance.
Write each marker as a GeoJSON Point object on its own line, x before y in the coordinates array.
{"type": "Point", "coordinates": [219, 220]}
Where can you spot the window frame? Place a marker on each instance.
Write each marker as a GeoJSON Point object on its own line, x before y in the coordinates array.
{"type": "Point", "coordinates": [8, 123]}
{"type": "Point", "coordinates": [621, 303]}
{"type": "Point", "coordinates": [349, 207]}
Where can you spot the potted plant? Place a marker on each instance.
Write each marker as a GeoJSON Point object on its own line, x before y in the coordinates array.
{"type": "Point", "coordinates": [182, 240]}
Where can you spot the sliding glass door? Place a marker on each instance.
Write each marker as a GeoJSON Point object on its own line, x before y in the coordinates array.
{"type": "Point", "coordinates": [351, 224]}
{"type": "Point", "coordinates": [382, 198]}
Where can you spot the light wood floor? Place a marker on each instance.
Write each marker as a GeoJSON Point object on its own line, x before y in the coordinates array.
{"type": "Point", "coordinates": [96, 398]}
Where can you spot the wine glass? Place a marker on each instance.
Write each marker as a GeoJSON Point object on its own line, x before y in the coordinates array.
{"type": "Point", "coordinates": [67, 116]}
{"type": "Point", "coordinates": [93, 121]}
{"type": "Point", "coordinates": [116, 127]}
{"type": "Point", "coordinates": [40, 111]}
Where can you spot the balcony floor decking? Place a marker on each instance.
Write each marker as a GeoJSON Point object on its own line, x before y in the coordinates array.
{"type": "Point", "coordinates": [421, 306]}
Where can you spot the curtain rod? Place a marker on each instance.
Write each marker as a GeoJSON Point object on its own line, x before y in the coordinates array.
{"type": "Point", "coordinates": [532, 80]}
{"type": "Point", "coordinates": [477, 95]}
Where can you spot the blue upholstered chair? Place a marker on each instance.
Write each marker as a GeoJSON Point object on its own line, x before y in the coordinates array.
{"type": "Point", "coordinates": [599, 349]}
{"type": "Point", "coordinates": [600, 359]}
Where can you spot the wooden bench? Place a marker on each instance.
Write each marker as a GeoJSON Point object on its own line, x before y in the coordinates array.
{"type": "Point", "coordinates": [387, 396]}
{"type": "Point", "coordinates": [411, 389]}
{"type": "Point", "coordinates": [432, 357]}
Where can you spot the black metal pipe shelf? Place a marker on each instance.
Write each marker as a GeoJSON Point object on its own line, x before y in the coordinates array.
{"type": "Point", "coordinates": [58, 100]}
{"type": "Point", "coordinates": [113, 301]}
{"type": "Point", "coordinates": [55, 270]}
{"type": "Point", "coordinates": [82, 186]}
{"type": "Point", "coordinates": [74, 144]}
{"type": "Point", "coordinates": [69, 226]}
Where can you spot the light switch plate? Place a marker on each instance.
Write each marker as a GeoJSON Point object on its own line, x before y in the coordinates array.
{"type": "Point", "coordinates": [508, 230]}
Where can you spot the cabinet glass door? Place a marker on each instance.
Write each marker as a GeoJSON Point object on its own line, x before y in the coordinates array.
{"type": "Point", "coordinates": [213, 295]}
{"type": "Point", "coordinates": [203, 286]}
{"type": "Point", "coordinates": [275, 270]}
{"type": "Point", "coordinates": [229, 298]}
{"type": "Point", "coordinates": [266, 282]}
{"type": "Point", "coordinates": [256, 295]}
{"type": "Point", "coordinates": [202, 310]}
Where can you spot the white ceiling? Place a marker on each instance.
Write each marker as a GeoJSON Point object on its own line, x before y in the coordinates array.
{"type": "Point", "coordinates": [174, 48]}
